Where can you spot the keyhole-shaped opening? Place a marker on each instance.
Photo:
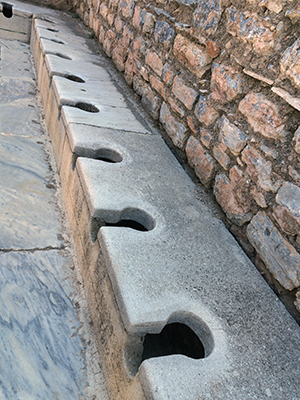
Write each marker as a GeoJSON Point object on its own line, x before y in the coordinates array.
{"type": "Point", "coordinates": [7, 10]}
{"type": "Point", "coordinates": [175, 338]}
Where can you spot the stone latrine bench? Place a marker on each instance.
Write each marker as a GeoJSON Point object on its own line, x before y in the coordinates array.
{"type": "Point", "coordinates": [178, 310]}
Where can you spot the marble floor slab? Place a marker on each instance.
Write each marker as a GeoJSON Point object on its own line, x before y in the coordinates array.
{"type": "Point", "coordinates": [39, 351]}
{"type": "Point", "coordinates": [27, 210]}
{"type": "Point", "coordinates": [47, 350]}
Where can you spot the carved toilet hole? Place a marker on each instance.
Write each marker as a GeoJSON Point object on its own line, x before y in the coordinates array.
{"type": "Point", "coordinates": [175, 338]}
{"type": "Point", "coordinates": [103, 154]}
{"type": "Point", "coordinates": [7, 10]}
{"type": "Point", "coordinates": [62, 56]}
{"type": "Point", "coordinates": [86, 107]}
{"type": "Point", "coordinates": [132, 218]}
{"type": "Point", "coordinates": [74, 78]}
{"type": "Point", "coordinates": [184, 334]}
{"type": "Point", "coordinates": [52, 30]}
{"type": "Point", "coordinates": [57, 41]}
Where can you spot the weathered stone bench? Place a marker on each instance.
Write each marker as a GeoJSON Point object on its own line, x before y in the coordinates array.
{"type": "Point", "coordinates": [160, 270]}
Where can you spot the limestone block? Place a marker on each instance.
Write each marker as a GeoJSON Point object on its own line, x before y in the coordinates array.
{"type": "Point", "coordinates": [232, 136]}
{"type": "Point", "coordinates": [260, 170]}
{"type": "Point", "coordinates": [192, 56]}
{"type": "Point", "coordinates": [226, 83]}
{"type": "Point", "coordinates": [200, 160]}
{"type": "Point", "coordinates": [175, 129]}
{"type": "Point", "coordinates": [278, 254]}
{"type": "Point", "coordinates": [290, 63]}
{"type": "Point", "coordinates": [263, 116]}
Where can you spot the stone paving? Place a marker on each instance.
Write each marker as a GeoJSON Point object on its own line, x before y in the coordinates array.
{"type": "Point", "coordinates": [47, 349]}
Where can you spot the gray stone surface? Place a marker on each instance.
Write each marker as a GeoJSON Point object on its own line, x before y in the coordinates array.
{"type": "Point", "coordinates": [188, 265]}
{"type": "Point", "coordinates": [186, 268]}
{"type": "Point", "coordinates": [278, 254]}
{"type": "Point", "coordinates": [38, 348]}
{"type": "Point", "coordinates": [47, 347]}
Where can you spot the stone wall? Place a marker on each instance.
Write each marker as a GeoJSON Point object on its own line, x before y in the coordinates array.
{"type": "Point", "coordinates": [222, 77]}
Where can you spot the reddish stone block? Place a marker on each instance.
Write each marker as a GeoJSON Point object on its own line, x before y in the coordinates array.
{"type": "Point", "coordinates": [212, 48]}
{"type": "Point", "coordinates": [193, 57]}
{"type": "Point", "coordinates": [110, 18]}
{"type": "Point", "coordinates": [250, 28]}
{"type": "Point", "coordinates": [164, 34]}
{"type": "Point", "coordinates": [154, 61]}
{"type": "Point", "coordinates": [206, 138]}
{"type": "Point", "coordinates": [226, 83]}
{"type": "Point", "coordinates": [131, 68]}
{"type": "Point", "coordinates": [286, 221]}
{"type": "Point", "coordinates": [175, 129]}
{"type": "Point", "coordinates": [184, 93]}
{"type": "Point", "coordinates": [149, 21]}
{"type": "Point", "coordinates": [205, 113]}
{"type": "Point", "coordinates": [175, 107]}
{"type": "Point", "coordinates": [207, 15]}
{"type": "Point", "coordinates": [290, 63]}
{"type": "Point", "coordinates": [109, 42]}
{"type": "Point", "coordinates": [225, 196]}
{"type": "Point", "coordinates": [101, 35]}
{"type": "Point", "coordinates": [200, 160]}
{"type": "Point", "coordinates": [103, 10]}
{"type": "Point", "coordinates": [120, 51]}
{"type": "Point", "coordinates": [260, 170]}
{"type": "Point", "coordinates": [113, 5]}
{"type": "Point", "coordinates": [193, 125]}
{"type": "Point", "coordinates": [221, 156]}
{"type": "Point", "coordinates": [167, 74]}
{"type": "Point", "coordinates": [151, 102]}
{"type": "Point", "coordinates": [158, 86]}
{"type": "Point", "coordinates": [126, 8]}
{"type": "Point", "coordinates": [262, 115]}
{"type": "Point", "coordinates": [232, 136]}
{"type": "Point", "coordinates": [138, 17]}
{"type": "Point", "coordinates": [288, 197]}
{"type": "Point", "coordinates": [118, 25]}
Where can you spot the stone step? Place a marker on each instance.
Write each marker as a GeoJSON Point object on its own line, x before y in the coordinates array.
{"type": "Point", "coordinates": [160, 270]}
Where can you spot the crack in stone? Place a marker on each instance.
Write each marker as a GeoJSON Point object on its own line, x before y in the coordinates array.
{"type": "Point", "coordinates": [33, 250]}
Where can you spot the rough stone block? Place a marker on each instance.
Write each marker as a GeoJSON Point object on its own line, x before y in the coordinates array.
{"type": "Point", "coordinates": [207, 15]}
{"type": "Point", "coordinates": [184, 93]}
{"type": "Point", "coordinates": [167, 74]}
{"type": "Point", "coordinates": [138, 17]}
{"type": "Point", "coordinates": [206, 138]}
{"type": "Point", "coordinates": [164, 34]}
{"type": "Point", "coordinates": [109, 42]}
{"type": "Point", "coordinates": [224, 190]}
{"type": "Point", "coordinates": [297, 140]}
{"type": "Point", "coordinates": [226, 83]}
{"type": "Point", "coordinates": [260, 170]}
{"type": "Point", "coordinates": [250, 28]}
{"type": "Point", "coordinates": [126, 7]}
{"type": "Point", "coordinates": [155, 62]}
{"type": "Point", "coordinates": [263, 116]}
{"type": "Point", "coordinates": [158, 86]}
{"type": "Point", "coordinates": [220, 155]}
{"type": "Point", "coordinates": [278, 254]}
{"type": "Point", "coordinates": [232, 136]}
{"type": "Point", "coordinates": [290, 63]}
{"type": "Point", "coordinates": [205, 113]}
{"type": "Point", "coordinates": [175, 129]}
{"type": "Point", "coordinates": [176, 108]}
{"type": "Point", "coordinates": [194, 57]}
{"type": "Point", "coordinates": [288, 215]}
{"type": "Point", "coordinates": [200, 160]}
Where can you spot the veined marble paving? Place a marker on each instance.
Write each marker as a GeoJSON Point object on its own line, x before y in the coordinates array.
{"type": "Point", "coordinates": [43, 340]}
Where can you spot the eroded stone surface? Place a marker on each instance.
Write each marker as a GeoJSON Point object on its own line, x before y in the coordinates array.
{"type": "Point", "coordinates": [277, 253]}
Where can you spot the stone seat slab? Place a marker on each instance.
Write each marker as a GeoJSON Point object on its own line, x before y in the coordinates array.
{"type": "Point", "coordinates": [84, 70]}
{"type": "Point", "coordinates": [69, 92]}
{"type": "Point", "coordinates": [188, 262]}
{"type": "Point", "coordinates": [108, 117]}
